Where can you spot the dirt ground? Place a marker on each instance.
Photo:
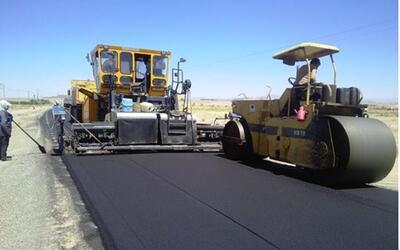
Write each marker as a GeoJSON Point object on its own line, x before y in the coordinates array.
{"type": "Point", "coordinates": [40, 207]}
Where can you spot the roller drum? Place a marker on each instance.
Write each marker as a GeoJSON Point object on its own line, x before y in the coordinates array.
{"type": "Point", "coordinates": [233, 139]}
{"type": "Point", "coordinates": [236, 141]}
{"type": "Point", "coordinates": [365, 149]}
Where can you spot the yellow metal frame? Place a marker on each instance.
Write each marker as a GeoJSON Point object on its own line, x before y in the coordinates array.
{"type": "Point", "coordinates": [267, 145]}
{"type": "Point", "coordinates": [153, 91]}
{"type": "Point", "coordinates": [76, 85]}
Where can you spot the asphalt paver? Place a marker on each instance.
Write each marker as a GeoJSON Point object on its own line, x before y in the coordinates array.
{"type": "Point", "coordinates": [205, 201]}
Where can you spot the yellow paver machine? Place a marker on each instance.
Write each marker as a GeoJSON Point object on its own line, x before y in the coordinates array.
{"type": "Point", "coordinates": [314, 125]}
{"type": "Point", "coordinates": [131, 106]}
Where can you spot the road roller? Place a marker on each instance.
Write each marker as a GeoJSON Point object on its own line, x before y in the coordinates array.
{"type": "Point", "coordinates": [315, 126]}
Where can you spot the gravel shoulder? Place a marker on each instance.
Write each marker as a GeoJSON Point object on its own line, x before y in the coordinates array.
{"type": "Point", "coordinates": [40, 207]}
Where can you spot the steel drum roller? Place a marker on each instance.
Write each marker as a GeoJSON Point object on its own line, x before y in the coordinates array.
{"type": "Point", "coordinates": [365, 149]}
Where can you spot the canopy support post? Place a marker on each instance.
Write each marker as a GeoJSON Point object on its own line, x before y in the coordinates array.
{"type": "Point", "coordinates": [334, 69]}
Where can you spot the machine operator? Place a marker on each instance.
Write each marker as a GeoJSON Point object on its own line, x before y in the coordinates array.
{"type": "Point", "coordinates": [302, 73]}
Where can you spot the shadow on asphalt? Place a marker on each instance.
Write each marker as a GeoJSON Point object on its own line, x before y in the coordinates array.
{"type": "Point", "coordinates": [303, 174]}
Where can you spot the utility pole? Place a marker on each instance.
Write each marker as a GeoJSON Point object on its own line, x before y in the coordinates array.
{"type": "Point", "coordinates": [4, 89]}
{"type": "Point", "coordinates": [37, 94]}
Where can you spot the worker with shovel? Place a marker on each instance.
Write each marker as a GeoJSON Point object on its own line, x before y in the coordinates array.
{"type": "Point", "coordinates": [6, 119]}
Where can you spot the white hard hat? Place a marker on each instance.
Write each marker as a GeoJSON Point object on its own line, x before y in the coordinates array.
{"type": "Point", "coordinates": [4, 104]}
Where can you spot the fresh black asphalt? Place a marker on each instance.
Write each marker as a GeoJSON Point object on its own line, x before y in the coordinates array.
{"type": "Point", "coordinates": [204, 201]}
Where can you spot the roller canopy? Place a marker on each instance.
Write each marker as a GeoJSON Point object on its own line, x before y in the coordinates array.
{"type": "Point", "coordinates": [304, 51]}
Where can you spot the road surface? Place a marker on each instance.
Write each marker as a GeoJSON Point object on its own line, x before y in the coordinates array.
{"type": "Point", "coordinates": [204, 201]}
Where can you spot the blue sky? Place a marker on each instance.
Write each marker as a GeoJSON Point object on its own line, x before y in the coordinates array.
{"type": "Point", "coordinates": [228, 44]}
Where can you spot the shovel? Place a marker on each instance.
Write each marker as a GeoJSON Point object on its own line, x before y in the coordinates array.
{"type": "Point", "coordinates": [41, 148]}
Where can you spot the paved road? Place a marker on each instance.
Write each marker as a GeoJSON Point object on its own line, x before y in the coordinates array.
{"type": "Point", "coordinates": [204, 201]}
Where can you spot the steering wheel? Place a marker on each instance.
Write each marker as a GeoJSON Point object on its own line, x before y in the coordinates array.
{"type": "Point", "coordinates": [292, 80]}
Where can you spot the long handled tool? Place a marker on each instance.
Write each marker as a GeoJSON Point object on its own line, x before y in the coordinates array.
{"type": "Point", "coordinates": [41, 148]}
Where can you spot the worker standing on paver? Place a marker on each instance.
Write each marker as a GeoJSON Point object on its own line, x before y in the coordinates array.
{"type": "Point", "coordinates": [6, 119]}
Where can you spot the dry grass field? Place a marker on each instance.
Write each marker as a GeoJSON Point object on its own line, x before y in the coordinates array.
{"type": "Point", "coordinates": [208, 110]}
{"type": "Point", "coordinates": [389, 115]}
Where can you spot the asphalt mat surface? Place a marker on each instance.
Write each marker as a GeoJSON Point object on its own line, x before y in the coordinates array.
{"type": "Point", "coordinates": [204, 201]}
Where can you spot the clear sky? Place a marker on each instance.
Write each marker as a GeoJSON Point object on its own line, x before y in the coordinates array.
{"type": "Point", "coordinates": [228, 44]}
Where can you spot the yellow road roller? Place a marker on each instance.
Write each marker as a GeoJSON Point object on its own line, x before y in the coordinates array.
{"type": "Point", "coordinates": [313, 125]}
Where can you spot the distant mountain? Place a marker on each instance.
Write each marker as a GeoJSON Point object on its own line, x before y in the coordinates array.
{"type": "Point", "coordinates": [55, 97]}
{"type": "Point", "coordinates": [381, 101]}
{"type": "Point", "coordinates": [390, 101]}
